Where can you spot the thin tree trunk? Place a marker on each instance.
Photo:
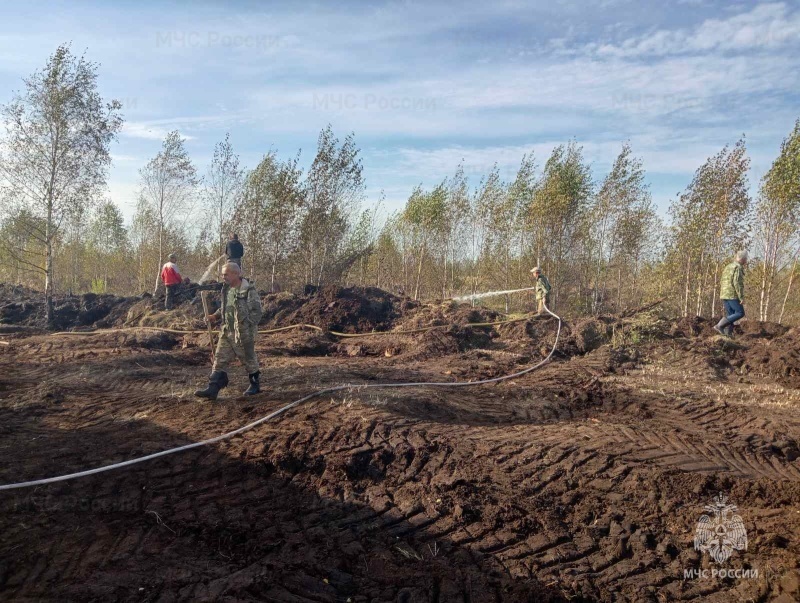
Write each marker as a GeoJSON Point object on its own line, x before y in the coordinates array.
{"type": "Point", "coordinates": [453, 268]}
{"type": "Point", "coordinates": [160, 252]}
{"type": "Point", "coordinates": [788, 288]}
{"type": "Point", "coordinates": [686, 295]}
{"type": "Point", "coordinates": [768, 299]}
{"type": "Point", "coordinates": [321, 266]}
{"type": "Point", "coordinates": [771, 281]}
{"type": "Point", "coordinates": [701, 285]}
{"type": "Point", "coordinates": [274, 266]}
{"type": "Point", "coordinates": [48, 265]}
{"type": "Point", "coordinates": [419, 272]}
{"type": "Point", "coordinates": [714, 290]}
{"type": "Point", "coordinates": [763, 288]}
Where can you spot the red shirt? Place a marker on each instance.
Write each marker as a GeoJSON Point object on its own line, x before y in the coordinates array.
{"type": "Point", "coordinates": [170, 274]}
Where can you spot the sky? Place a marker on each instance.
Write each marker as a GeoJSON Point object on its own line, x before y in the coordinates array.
{"type": "Point", "coordinates": [425, 86]}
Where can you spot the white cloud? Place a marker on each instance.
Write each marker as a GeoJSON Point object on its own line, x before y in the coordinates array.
{"type": "Point", "coordinates": [766, 26]}
{"type": "Point", "coordinates": [404, 82]}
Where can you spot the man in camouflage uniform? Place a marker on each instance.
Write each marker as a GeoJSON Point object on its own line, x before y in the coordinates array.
{"type": "Point", "coordinates": [732, 294]}
{"type": "Point", "coordinates": [240, 313]}
{"type": "Point", "coordinates": [542, 286]}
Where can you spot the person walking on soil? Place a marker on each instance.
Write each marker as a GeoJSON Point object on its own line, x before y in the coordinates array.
{"type": "Point", "coordinates": [542, 286]}
{"type": "Point", "coordinates": [732, 294]}
{"type": "Point", "coordinates": [171, 277]}
{"type": "Point", "coordinates": [234, 250]}
{"type": "Point", "coordinates": [240, 313]}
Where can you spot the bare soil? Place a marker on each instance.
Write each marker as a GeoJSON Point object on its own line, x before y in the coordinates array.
{"type": "Point", "coordinates": [582, 481]}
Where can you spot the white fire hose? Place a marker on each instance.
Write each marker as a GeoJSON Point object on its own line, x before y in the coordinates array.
{"type": "Point", "coordinates": [249, 426]}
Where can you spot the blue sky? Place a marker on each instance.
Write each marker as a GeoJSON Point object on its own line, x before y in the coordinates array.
{"type": "Point", "coordinates": [425, 85]}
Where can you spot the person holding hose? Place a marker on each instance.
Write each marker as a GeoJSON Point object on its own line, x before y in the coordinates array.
{"type": "Point", "coordinates": [732, 294]}
{"type": "Point", "coordinates": [240, 313]}
{"type": "Point", "coordinates": [542, 289]}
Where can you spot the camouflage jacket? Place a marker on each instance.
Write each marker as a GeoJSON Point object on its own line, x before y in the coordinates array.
{"type": "Point", "coordinates": [732, 282]}
{"type": "Point", "coordinates": [247, 311]}
{"type": "Point", "coordinates": [542, 287]}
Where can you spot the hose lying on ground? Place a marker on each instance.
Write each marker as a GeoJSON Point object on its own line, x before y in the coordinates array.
{"type": "Point", "coordinates": [287, 328]}
{"type": "Point", "coordinates": [249, 426]}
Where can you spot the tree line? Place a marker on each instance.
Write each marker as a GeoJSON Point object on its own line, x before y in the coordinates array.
{"type": "Point", "coordinates": [602, 243]}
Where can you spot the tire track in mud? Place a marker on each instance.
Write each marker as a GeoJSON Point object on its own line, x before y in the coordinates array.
{"type": "Point", "coordinates": [513, 482]}
{"type": "Point", "coordinates": [546, 464]}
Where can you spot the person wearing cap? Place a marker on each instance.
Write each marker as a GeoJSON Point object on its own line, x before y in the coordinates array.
{"type": "Point", "coordinates": [171, 277]}
{"type": "Point", "coordinates": [732, 294]}
{"type": "Point", "coordinates": [542, 288]}
{"type": "Point", "coordinates": [240, 314]}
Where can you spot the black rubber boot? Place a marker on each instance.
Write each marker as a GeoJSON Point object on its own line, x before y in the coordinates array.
{"type": "Point", "coordinates": [723, 327]}
{"type": "Point", "coordinates": [255, 386]}
{"type": "Point", "coordinates": [217, 381]}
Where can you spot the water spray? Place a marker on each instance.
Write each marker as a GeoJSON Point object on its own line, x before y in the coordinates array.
{"type": "Point", "coordinates": [465, 298]}
{"type": "Point", "coordinates": [211, 267]}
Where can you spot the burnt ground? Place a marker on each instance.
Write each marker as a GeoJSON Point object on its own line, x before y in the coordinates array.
{"type": "Point", "coordinates": [583, 480]}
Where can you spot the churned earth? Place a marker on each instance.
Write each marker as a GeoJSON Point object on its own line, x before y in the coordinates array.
{"type": "Point", "coordinates": [581, 481]}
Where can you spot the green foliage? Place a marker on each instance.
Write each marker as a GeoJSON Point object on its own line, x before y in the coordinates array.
{"type": "Point", "coordinates": [98, 286]}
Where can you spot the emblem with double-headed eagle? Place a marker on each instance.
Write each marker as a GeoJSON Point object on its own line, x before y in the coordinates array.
{"type": "Point", "coordinates": [720, 532]}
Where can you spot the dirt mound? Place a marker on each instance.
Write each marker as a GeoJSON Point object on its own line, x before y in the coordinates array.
{"type": "Point", "coordinates": [755, 328]}
{"type": "Point", "coordinates": [537, 335]}
{"type": "Point", "coordinates": [456, 334]}
{"type": "Point", "coordinates": [776, 357]}
{"type": "Point", "coordinates": [24, 307]}
{"type": "Point", "coordinates": [447, 313]}
{"type": "Point", "coordinates": [347, 310]}
{"type": "Point", "coordinates": [463, 328]}
{"type": "Point", "coordinates": [28, 309]}
{"type": "Point", "coordinates": [698, 326]}
{"type": "Point", "coordinates": [691, 327]}
{"type": "Point", "coordinates": [590, 333]}
{"type": "Point", "coordinates": [413, 336]}
{"type": "Point", "coordinates": [279, 307]}
{"type": "Point", "coordinates": [148, 312]}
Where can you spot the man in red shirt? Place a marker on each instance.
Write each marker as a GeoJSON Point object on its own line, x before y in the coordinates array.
{"type": "Point", "coordinates": [172, 280]}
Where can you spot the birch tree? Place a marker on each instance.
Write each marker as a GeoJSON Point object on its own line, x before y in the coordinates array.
{"type": "Point", "coordinates": [334, 190]}
{"type": "Point", "coordinates": [558, 211]}
{"type": "Point", "coordinates": [778, 220]}
{"type": "Point", "coordinates": [55, 154]}
{"type": "Point", "coordinates": [619, 216]}
{"type": "Point", "coordinates": [710, 222]}
{"type": "Point", "coordinates": [223, 188]}
{"type": "Point", "coordinates": [168, 184]}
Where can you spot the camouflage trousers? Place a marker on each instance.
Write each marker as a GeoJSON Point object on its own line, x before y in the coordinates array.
{"type": "Point", "coordinates": [541, 301]}
{"type": "Point", "coordinates": [228, 350]}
